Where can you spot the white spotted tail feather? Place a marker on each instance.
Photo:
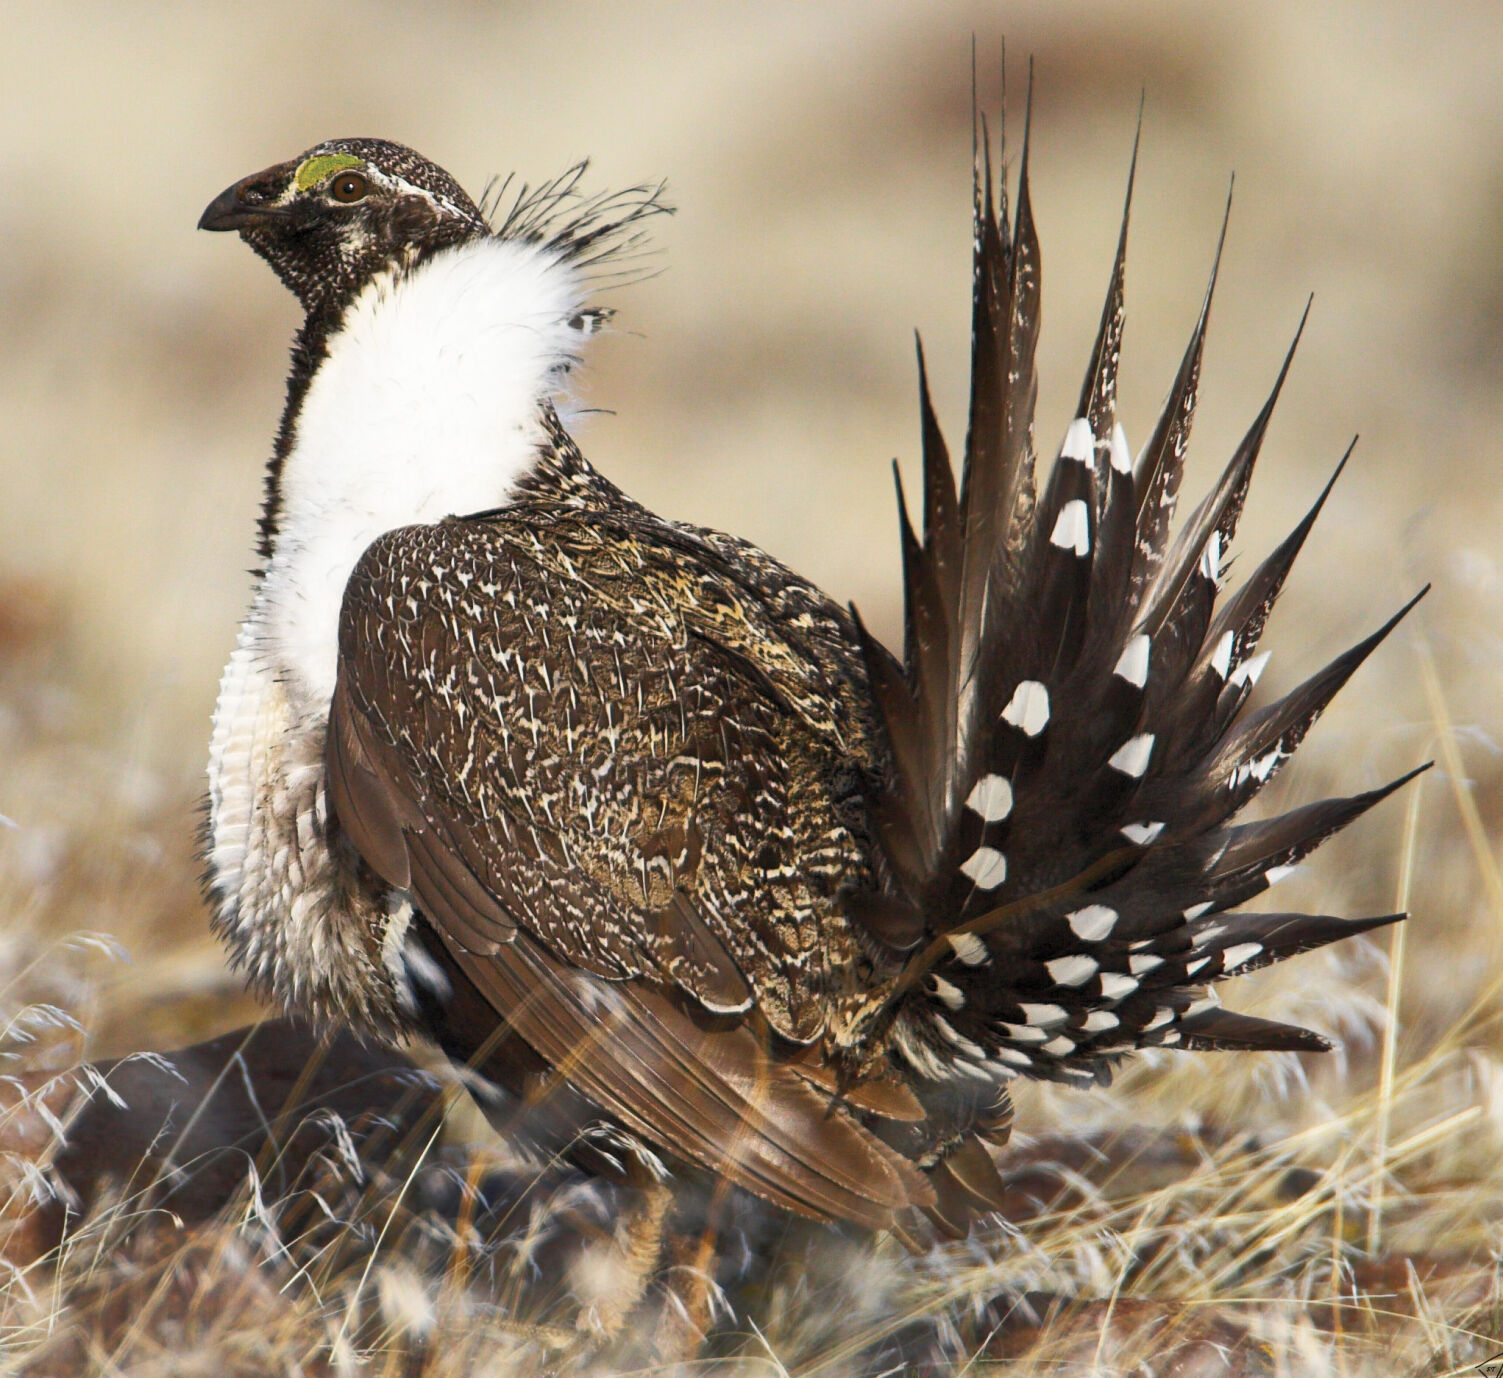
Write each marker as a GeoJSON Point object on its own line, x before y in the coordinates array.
{"type": "Point", "coordinates": [1068, 740]}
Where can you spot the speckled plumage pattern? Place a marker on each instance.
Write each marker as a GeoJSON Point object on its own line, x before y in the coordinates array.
{"type": "Point", "coordinates": [615, 716]}
{"type": "Point", "coordinates": [643, 824]}
{"type": "Point", "coordinates": [268, 854]}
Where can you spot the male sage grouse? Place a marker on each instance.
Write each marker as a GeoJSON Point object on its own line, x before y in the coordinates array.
{"type": "Point", "coordinates": [694, 872]}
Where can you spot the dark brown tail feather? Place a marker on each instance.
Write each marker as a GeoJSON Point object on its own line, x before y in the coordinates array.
{"type": "Point", "coordinates": [1067, 726]}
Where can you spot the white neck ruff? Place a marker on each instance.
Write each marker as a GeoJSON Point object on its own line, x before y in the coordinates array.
{"type": "Point", "coordinates": [427, 406]}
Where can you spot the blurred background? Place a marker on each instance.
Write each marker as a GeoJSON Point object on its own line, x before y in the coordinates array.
{"type": "Point", "coordinates": [764, 379]}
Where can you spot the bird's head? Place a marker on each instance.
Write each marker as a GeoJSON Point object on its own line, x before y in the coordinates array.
{"type": "Point", "coordinates": [345, 210]}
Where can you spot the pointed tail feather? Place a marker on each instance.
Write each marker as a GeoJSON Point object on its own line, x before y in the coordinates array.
{"type": "Point", "coordinates": [1068, 734]}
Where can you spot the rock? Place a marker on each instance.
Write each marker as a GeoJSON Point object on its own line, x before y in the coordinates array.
{"type": "Point", "coordinates": [182, 1130]}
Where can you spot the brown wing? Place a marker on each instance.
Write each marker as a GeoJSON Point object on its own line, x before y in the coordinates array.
{"type": "Point", "coordinates": [596, 728]}
{"type": "Point", "coordinates": [603, 812]}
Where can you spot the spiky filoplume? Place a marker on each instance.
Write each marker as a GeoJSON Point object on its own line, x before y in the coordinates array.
{"type": "Point", "coordinates": [689, 866]}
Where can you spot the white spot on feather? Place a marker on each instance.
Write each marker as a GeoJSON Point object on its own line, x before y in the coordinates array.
{"type": "Point", "coordinates": [1079, 444]}
{"type": "Point", "coordinates": [1262, 768]}
{"type": "Point", "coordinates": [1141, 834]}
{"type": "Point", "coordinates": [1059, 1047]}
{"type": "Point", "coordinates": [1099, 1021]}
{"type": "Point", "coordinates": [969, 949]}
{"type": "Point", "coordinates": [1072, 528]}
{"type": "Point", "coordinates": [1161, 1016]}
{"type": "Point", "coordinates": [1028, 708]}
{"type": "Point", "coordinates": [1115, 986]}
{"type": "Point", "coordinates": [1221, 657]}
{"type": "Point", "coordinates": [1120, 453]}
{"type": "Point", "coordinates": [986, 866]}
{"type": "Point", "coordinates": [1023, 1033]}
{"type": "Point", "coordinates": [1071, 971]}
{"type": "Point", "coordinates": [1044, 1015]}
{"type": "Point", "coordinates": [1015, 1056]}
{"type": "Point", "coordinates": [1250, 669]}
{"type": "Point", "coordinates": [1192, 967]}
{"type": "Point", "coordinates": [1259, 770]}
{"type": "Point", "coordinates": [1131, 758]}
{"type": "Point", "coordinates": [950, 995]}
{"type": "Point", "coordinates": [1274, 874]}
{"type": "Point", "coordinates": [1234, 956]}
{"type": "Point", "coordinates": [1208, 1002]}
{"type": "Point", "coordinates": [1196, 910]}
{"type": "Point", "coordinates": [991, 797]}
{"type": "Point", "coordinates": [1092, 923]}
{"type": "Point", "coordinates": [1141, 963]}
{"type": "Point", "coordinates": [1132, 664]}
{"type": "Point", "coordinates": [1210, 559]}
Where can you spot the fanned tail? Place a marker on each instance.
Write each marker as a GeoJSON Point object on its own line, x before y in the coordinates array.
{"type": "Point", "coordinates": [1069, 731]}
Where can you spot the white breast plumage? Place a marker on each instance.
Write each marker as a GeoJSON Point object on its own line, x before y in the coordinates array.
{"type": "Point", "coordinates": [427, 405]}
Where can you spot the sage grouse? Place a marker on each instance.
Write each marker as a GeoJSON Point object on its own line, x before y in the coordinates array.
{"type": "Point", "coordinates": [694, 872]}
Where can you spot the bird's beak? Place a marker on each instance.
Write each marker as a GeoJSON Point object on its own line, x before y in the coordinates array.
{"type": "Point", "coordinates": [244, 206]}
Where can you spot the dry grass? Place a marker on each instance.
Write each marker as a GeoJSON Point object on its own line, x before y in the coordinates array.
{"type": "Point", "coordinates": [1207, 1215]}
{"type": "Point", "coordinates": [1354, 1231]}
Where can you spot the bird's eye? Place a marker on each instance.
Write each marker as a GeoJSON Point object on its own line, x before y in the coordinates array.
{"type": "Point", "coordinates": [348, 186]}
